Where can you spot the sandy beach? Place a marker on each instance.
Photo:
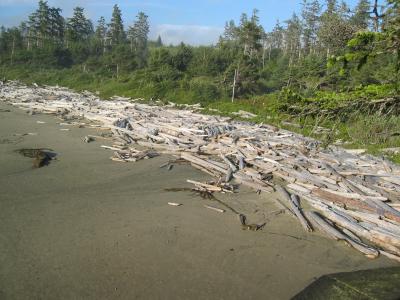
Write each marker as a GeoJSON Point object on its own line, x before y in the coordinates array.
{"type": "Point", "coordinates": [86, 227]}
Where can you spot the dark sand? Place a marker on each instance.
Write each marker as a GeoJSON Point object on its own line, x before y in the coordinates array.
{"type": "Point", "coordinates": [86, 227]}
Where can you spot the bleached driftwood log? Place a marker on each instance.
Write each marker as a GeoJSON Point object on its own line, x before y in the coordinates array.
{"type": "Point", "coordinates": [334, 233]}
{"type": "Point", "coordinates": [294, 205]}
{"type": "Point", "coordinates": [358, 193]}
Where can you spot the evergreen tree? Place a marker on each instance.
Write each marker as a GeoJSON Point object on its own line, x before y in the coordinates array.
{"type": "Point", "coordinates": [392, 31]}
{"type": "Point", "coordinates": [361, 17]}
{"type": "Point", "coordinates": [293, 37]}
{"type": "Point", "coordinates": [138, 36]}
{"type": "Point", "coordinates": [230, 31]}
{"type": "Point", "coordinates": [182, 58]}
{"type": "Point", "coordinates": [43, 20]}
{"type": "Point", "coordinates": [11, 40]}
{"type": "Point", "coordinates": [57, 25]}
{"type": "Point", "coordinates": [39, 23]}
{"type": "Point", "coordinates": [159, 42]}
{"type": "Point", "coordinates": [250, 34]}
{"type": "Point", "coordinates": [310, 21]}
{"type": "Point", "coordinates": [344, 10]}
{"type": "Point", "coordinates": [3, 46]}
{"type": "Point", "coordinates": [116, 27]}
{"type": "Point", "coordinates": [79, 28]}
{"type": "Point", "coordinates": [292, 54]}
{"type": "Point", "coordinates": [331, 7]}
{"type": "Point", "coordinates": [101, 33]}
{"type": "Point", "coordinates": [32, 30]}
{"type": "Point", "coordinates": [333, 22]}
{"type": "Point", "coordinates": [24, 29]}
{"type": "Point", "coordinates": [277, 36]}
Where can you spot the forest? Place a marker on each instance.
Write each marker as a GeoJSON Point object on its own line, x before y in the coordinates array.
{"type": "Point", "coordinates": [330, 71]}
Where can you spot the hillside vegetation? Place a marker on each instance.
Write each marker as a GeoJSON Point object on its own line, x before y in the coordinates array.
{"type": "Point", "coordinates": [303, 75]}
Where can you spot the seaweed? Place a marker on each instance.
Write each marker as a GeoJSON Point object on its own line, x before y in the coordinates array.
{"type": "Point", "coordinates": [41, 156]}
{"type": "Point", "coordinates": [252, 227]}
{"type": "Point", "coordinates": [205, 194]}
{"type": "Point", "coordinates": [208, 195]}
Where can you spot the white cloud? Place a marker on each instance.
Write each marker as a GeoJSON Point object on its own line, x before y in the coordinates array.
{"type": "Point", "coordinates": [189, 34]}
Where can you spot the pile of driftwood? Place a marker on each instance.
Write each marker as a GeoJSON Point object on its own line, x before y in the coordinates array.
{"type": "Point", "coordinates": [349, 197]}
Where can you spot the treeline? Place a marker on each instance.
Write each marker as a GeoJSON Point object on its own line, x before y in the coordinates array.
{"type": "Point", "coordinates": [73, 40]}
{"type": "Point", "coordinates": [328, 46]}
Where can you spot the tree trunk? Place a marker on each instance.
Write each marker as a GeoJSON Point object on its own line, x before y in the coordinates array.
{"type": "Point", "coordinates": [376, 17]}
{"type": "Point", "coordinates": [263, 56]}
{"type": "Point", "coordinates": [234, 85]}
{"type": "Point", "coordinates": [13, 50]}
{"type": "Point", "coordinates": [28, 45]}
{"type": "Point", "coordinates": [269, 52]}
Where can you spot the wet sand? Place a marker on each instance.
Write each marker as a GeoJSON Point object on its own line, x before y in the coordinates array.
{"type": "Point", "coordinates": [86, 227]}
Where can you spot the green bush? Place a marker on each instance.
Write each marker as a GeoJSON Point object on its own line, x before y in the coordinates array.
{"type": "Point", "coordinates": [204, 90]}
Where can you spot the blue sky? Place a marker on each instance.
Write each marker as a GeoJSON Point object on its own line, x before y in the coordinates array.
{"type": "Point", "coordinates": [194, 22]}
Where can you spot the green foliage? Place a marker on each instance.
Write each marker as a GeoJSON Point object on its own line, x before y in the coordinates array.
{"type": "Point", "coordinates": [116, 27]}
{"type": "Point", "coordinates": [182, 58]}
{"type": "Point", "coordinates": [288, 97]}
{"type": "Point", "coordinates": [204, 89]}
{"type": "Point", "coordinates": [137, 35]}
{"type": "Point", "coordinates": [322, 61]}
{"type": "Point", "coordinates": [79, 28]}
{"type": "Point", "coordinates": [291, 101]}
{"type": "Point", "coordinates": [374, 130]}
{"type": "Point", "coordinates": [63, 57]}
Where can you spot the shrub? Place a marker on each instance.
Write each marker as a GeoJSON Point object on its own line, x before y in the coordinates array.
{"type": "Point", "coordinates": [204, 90]}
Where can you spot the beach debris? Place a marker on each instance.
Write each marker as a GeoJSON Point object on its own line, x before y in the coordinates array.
{"type": "Point", "coordinates": [356, 151]}
{"type": "Point", "coordinates": [244, 114]}
{"type": "Point", "coordinates": [215, 208]}
{"type": "Point", "coordinates": [336, 234]}
{"type": "Point", "coordinates": [101, 137]}
{"type": "Point", "coordinates": [41, 157]}
{"type": "Point", "coordinates": [251, 227]}
{"type": "Point", "coordinates": [170, 164]}
{"type": "Point", "coordinates": [395, 150]}
{"type": "Point", "coordinates": [213, 186]}
{"type": "Point", "coordinates": [2, 110]}
{"type": "Point", "coordinates": [205, 194]}
{"type": "Point", "coordinates": [40, 122]}
{"type": "Point", "coordinates": [294, 204]}
{"type": "Point", "coordinates": [174, 204]}
{"type": "Point", "coordinates": [88, 139]}
{"type": "Point", "coordinates": [131, 155]}
{"type": "Point", "coordinates": [354, 192]}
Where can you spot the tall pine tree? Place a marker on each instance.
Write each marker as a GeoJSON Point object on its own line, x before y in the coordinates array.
{"type": "Point", "coordinates": [101, 33]}
{"type": "Point", "coordinates": [138, 36]}
{"type": "Point", "coordinates": [116, 27]}
{"type": "Point", "coordinates": [79, 28]}
{"type": "Point", "coordinates": [310, 22]}
{"type": "Point", "coordinates": [361, 16]}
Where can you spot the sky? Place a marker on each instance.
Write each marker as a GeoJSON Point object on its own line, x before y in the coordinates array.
{"type": "Point", "coordinates": [194, 22]}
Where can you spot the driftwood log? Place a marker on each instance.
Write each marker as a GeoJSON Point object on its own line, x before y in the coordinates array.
{"type": "Point", "coordinates": [356, 195]}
